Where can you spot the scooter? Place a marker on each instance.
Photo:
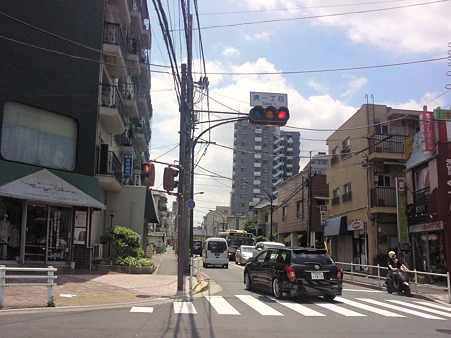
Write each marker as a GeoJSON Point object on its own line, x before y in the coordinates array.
{"type": "Point", "coordinates": [403, 281]}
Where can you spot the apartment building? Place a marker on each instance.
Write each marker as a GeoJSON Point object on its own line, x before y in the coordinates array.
{"type": "Point", "coordinates": [75, 126]}
{"type": "Point", "coordinates": [367, 155]}
{"type": "Point", "coordinates": [263, 157]}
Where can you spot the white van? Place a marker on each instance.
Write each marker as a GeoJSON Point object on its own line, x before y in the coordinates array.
{"type": "Point", "coordinates": [215, 252]}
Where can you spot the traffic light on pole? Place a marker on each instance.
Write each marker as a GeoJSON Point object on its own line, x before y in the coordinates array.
{"type": "Point", "coordinates": [169, 182]}
{"type": "Point", "coordinates": [270, 116]}
{"type": "Point", "coordinates": [147, 174]}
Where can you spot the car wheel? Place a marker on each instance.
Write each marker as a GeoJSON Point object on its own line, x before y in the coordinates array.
{"type": "Point", "coordinates": [329, 298]}
{"type": "Point", "coordinates": [248, 281]}
{"type": "Point", "coordinates": [277, 288]}
{"type": "Point", "coordinates": [226, 266]}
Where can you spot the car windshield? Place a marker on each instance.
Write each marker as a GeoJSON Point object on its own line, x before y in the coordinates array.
{"type": "Point", "coordinates": [275, 245]}
{"type": "Point", "coordinates": [247, 248]}
{"type": "Point", "coordinates": [217, 246]}
{"type": "Point", "coordinates": [303, 257]}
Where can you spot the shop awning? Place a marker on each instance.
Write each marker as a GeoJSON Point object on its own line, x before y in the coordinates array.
{"type": "Point", "coordinates": [336, 226]}
{"type": "Point", "coordinates": [150, 211]}
{"type": "Point", "coordinates": [49, 186]}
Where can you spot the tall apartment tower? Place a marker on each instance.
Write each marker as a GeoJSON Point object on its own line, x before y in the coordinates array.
{"type": "Point", "coordinates": [263, 158]}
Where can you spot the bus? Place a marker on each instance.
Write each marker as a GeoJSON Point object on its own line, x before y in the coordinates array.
{"type": "Point", "coordinates": [235, 238]}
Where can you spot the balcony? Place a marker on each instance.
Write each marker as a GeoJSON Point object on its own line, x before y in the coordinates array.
{"type": "Point", "coordinates": [129, 94]}
{"type": "Point", "coordinates": [391, 148]}
{"type": "Point", "coordinates": [334, 160]}
{"type": "Point", "coordinates": [257, 165]}
{"type": "Point", "coordinates": [257, 156]}
{"type": "Point", "coordinates": [383, 197]}
{"type": "Point", "coordinates": [258, 139]}
{"type": "Point", "coordinates": [134, 53]}
{"type": "Point", "coordinates": [144, 65]}
{"type": "Point", "coordinates": [137, 16]}
{"type": "Point", "coordinates": [115, 49]}
{"type": "Point", "coordinates": [258, 148]}
{"type": "Point", "coordinates": [109, 169]}
{"type": "Point", "coordinates": [346, 153]}
{"type": "Point", "coordinates": [347, 197]}
{"type": "Point", "coordinates": [112, 110]}
{"type": "Point", "coordinates": [144, 104]}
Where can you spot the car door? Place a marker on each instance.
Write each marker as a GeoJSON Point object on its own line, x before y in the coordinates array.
{"type": "Point", "coordinates": [267, 270]}
{"type": "Point", "coordinates": [255, 268]}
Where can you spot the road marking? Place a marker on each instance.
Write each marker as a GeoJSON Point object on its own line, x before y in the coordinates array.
{"type": "Point", "coordinates": [142, 309]}
{"type": "Point", "coordinates": [401, 309]}
{"type": "Point", "coordinates": [340, 310]}
{"type": "Point", "coordinates": [441, 307]}
{"type": "Point", "coordinates": [221, 306]}
{"type": "Point", "coordinates": [366, 291]}
{"type": "Point", "coordinates": [368, 308]}
{"type": "Point", "coordinates": [299, 308]}
{"type": "Point", "coordinates": [184, 307]}
{"type": "Point", "coordinates": [259, 306]}
{"type": "Point", "coordinates": [419, 307]}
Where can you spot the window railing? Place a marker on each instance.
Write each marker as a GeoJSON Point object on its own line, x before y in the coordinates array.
{"type": "Point", "coordinates": [335, 200]}
{"type": "Point", "coordinates": [422, 195]}
{"type": "Point", "coordinates": [347, 197]}
{"type": "Point", "coordinates": [334, 160]}
{"type": "Point", "coordinates": [383, 197]}
{"type": "Point", "coordinates": [111, 98]}
{"type": "Point", "coordinates": [109, 164]}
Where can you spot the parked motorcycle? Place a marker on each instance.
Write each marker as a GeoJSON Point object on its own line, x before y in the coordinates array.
{"type": "Point", "coordinates": [403, 286]}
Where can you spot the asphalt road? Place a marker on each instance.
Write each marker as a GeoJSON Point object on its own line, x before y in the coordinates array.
{"type": "Point", "coordinates": [235, 312]}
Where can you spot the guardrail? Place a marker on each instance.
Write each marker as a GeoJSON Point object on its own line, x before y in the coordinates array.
{"type": "Point", "coordinates": [4, 278]}
{"type": "Point", "coordinates": [362, 273]}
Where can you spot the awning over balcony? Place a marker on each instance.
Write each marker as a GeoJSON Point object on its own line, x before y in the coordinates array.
{"type": "Point", "coordinates": [150, 211]}
{"type": "Point", "coordinates": [336, 226]}
{"type": "Point", "coordinates": [49, 186]}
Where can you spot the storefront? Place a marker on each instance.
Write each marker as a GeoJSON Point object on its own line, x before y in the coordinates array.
{"type": "Point", "coordinates": [428, 246]}
{"type": "Point", "coordinates": [44, 218]}
{"type": "Point", "coordinates": [359, 230]}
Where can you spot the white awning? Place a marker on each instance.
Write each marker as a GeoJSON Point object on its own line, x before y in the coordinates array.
{"type": "Point", "coordinates": [44, 186]}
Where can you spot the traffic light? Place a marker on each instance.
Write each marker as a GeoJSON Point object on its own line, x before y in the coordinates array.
{"type": "Point", "coordinates": [147, 174]}
{"type": "Point", "coordinates": [270, 116]}
{"type": "Point", "coordinates": [169, 182]}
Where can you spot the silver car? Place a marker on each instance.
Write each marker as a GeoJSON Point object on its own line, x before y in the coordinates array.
{"type": "Point", "coordinates": [266, 245]}
{"type": "Point", "coordinates": [243, 254]}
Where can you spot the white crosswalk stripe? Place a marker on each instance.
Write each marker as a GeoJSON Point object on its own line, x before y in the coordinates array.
{"type": "Point", "coordinates": [222, 306]}
{"type": "Point", "coordinates": [401, 309]}
{"type": "Point", "coordinates": [434, 305]}
{"type": "Point", "coordinates": [341, 310]}
{"type": "Point", "coordinates": [423, 308]}
{"type": "Point", "coordinates": [184, 307]}
{"type": "Point", "coordinates": [259, 306]}
{"type": "Point", "coordinates": [368, 308]}
{"type": "Point", "coordinates": [299, 308]}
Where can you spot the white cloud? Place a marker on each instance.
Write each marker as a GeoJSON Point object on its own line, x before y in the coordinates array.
{"type": "Point", "coordinates": [230, 51]}
{"type": "Point", "coordinates": [318, 86]}
{"type": "Point", "coordinates": [353, 86]}
{"type": "Point", "coordinates": [262, 36]}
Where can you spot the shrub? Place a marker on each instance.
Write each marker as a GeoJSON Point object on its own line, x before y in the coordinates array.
{"type": "Point", "coordinates": [134, 262]}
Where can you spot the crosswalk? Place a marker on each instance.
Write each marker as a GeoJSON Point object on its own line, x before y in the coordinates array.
{"type": "Point", "coordinates": [269, 306]}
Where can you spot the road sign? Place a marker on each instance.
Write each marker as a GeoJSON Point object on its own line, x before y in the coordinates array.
{"type": "Point", "coordinates": [323, 212]}
{"type": "Point", "coordinates": [190, 204]}
{"type": "Point", "coordinates": [268, 99]}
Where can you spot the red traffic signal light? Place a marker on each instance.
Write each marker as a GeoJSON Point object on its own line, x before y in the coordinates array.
{"type": "Point", "coordinates": [169, 182]}
{"type": "Point", "coordinates": [147, 174]}
{"type": "Point", "coordinates": [270, 116]}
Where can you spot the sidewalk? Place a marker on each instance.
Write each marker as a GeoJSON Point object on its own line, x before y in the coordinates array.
{"type": "Point", "coordinates": [92, 288]}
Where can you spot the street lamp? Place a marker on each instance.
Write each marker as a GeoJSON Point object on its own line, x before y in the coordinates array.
{"type": "Point", "coordinates": [223, 219]}
{"type": "Point", "coordinates": [199, 193]}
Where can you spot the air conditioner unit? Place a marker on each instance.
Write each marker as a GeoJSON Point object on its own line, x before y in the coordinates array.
{"type": "Point", "coordinates": [97, 251]}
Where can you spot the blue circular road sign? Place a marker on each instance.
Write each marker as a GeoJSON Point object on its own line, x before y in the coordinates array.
{"type": "Point", "coordinates": [190, 204]}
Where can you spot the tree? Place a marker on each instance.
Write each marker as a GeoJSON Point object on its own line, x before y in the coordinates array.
{"type": "Point", "coordinates": [249, 226]}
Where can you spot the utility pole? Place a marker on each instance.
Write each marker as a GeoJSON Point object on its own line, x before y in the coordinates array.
{"type": "Point", "coordinates": [310, 202]}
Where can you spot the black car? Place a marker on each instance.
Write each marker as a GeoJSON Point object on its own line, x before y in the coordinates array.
{"type": "Point", "coordinates": [292, 272]}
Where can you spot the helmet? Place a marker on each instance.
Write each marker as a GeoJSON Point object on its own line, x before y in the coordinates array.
{"type": "Point", "coordinates": [391, 254]}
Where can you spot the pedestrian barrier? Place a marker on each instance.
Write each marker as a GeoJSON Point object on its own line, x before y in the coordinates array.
{"type": "Point", "coordinates": [196, 267]}
{"type": "Point", "coordinates": [4, 281]}
{"type": "Point", "coordinates": [363, 271]}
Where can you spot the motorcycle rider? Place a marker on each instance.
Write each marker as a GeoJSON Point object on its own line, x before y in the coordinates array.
{"type": "Point", "coordinates": [394, 265]}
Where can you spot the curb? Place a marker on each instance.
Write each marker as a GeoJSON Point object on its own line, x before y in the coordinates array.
{"type": "Point", "coordinates": [201, 286]}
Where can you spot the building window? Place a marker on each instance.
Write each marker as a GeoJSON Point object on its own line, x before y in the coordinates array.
{"type": "Point", "coordinates": [284, 213]}
{"type": "Point", "coordinates": [300, 209]}
{"type": "Point", "coordinates": [242, 170]}
{"type": "Point", "coordinates": [243, 161]}
{"type": "Point", "coordinates": [347, 193]}
{"type": "Point", "coordinates": [266, 217]}
{"type": "Point", "coordinates": [382, 181]}
{"type": "Point", "coordinates": [334, 158]}
{"type": "Point", "coordinates": [336, 196]}
{"type": "Point", "coordinates": [346, 152]}
{"type": "Point", "coordinates": [381, 129]}
{"type": "Point", "coordinates": [35, 136]}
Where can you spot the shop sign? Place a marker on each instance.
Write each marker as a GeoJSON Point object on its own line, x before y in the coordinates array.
{"type": "Point", "coordinates": [128, 165]}
{"type": "Point", "coordinates": [427, 130]}
{"type": "Point", "coordinates": [432, 226]}
{"type": "Point", "coordinates": [403, 228]}
{"type": "Point", "coordinates": [441, 114]}
{"type": "Point", "coordinates": [323, 213]}
{"type": "Point", "coordinates": [355, 225]}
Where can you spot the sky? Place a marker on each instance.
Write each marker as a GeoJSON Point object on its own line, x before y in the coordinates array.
{"type": "Point", "coordinates": [329, 59]}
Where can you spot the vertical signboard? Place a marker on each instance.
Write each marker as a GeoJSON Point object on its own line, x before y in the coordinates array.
{"type": "Point", "coordinates": [401, 199]}
{"type": "Point", "coordinates": [427, 130]}
{"type": "Point", "coordinates": [128, 165]}
{"type": "Point", "coordinates": [323, 211]}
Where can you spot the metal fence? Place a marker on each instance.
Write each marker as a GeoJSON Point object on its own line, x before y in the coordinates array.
{"type": "Point", "coordinates": [23, 281]}
{"type": "Point", "coordinates": [356, 270]}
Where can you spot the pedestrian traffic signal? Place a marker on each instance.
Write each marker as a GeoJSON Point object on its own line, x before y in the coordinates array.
{"type": "Point", "coordinates": [169, 182]}
{"type": "Point", "coordinates": [270, 116]}
{"type": "Point", "coordinates": [147, 174]}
